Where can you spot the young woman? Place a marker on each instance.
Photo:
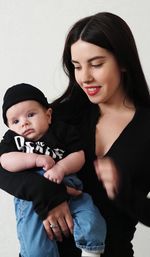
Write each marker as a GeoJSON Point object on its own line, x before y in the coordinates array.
{"type": "Point", "coordinates": [108, 99]}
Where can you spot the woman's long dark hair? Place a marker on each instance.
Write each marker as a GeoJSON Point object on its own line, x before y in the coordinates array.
{"type": "Point", "coordinates": [111, 32]}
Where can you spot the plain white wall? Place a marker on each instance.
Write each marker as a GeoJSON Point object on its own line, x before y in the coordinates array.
{"type": "Point", "coordinates": [32, 35]}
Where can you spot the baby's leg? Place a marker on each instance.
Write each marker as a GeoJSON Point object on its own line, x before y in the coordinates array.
{"type": "Point", "coordinates": [31, 233]}
{"type": "Point", "coordinates": [89, 226]}
{"type": "Point", "coordinates": [32, 236]}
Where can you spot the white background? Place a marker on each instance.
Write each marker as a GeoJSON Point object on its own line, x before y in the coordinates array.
{"type": "Point", "coordinates": [32, 35]}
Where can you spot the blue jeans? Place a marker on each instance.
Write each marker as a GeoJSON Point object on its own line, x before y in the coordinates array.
{"type": "Point", "coordinates": [89, 228]}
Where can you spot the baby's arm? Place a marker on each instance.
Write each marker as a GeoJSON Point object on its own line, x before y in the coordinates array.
{"type": "Point", "coordinates": [70, 164]}
{"type": "Point", "coordinates": [18, 161]}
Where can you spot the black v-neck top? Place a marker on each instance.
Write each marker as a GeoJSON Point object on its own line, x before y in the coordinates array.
{"type": "Point", "coordinates": [130, 153]}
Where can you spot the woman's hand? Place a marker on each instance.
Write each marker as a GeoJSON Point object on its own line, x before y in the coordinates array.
{"type": "Point", "coordinates": [58, 222]}
{"type": "Point", "coordinates": [107, 172]}
{"type": "Point", "coordinates": [73, 192]}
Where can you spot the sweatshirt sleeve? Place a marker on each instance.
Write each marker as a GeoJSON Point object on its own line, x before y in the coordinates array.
{"type": "Point", "coordinates": [141, 205]}
{"type": "Point", "coordinates": [134, 202]}
{"type": "Point", "coordinates": [31, 186]}
{"type": "Point", "coordinates": [134, 187]}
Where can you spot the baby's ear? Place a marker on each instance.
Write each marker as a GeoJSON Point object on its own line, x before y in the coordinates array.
{"type": "Point", "coordinates": [49, 114]}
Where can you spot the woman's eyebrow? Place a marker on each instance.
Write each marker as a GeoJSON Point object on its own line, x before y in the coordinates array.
{"type": "Point", "coordinates": [91, 59]}
{"type": "Point", "coordinates": [73, 61]}
{"type": "Point", "coordinates": [96, 58]}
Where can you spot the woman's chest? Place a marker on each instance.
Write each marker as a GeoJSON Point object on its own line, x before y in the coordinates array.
{"type": "Point", "coordinates": [109, 130]}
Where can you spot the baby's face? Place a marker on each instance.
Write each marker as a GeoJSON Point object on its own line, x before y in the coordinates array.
{"type": "Point", "coordinates": [29, 119]}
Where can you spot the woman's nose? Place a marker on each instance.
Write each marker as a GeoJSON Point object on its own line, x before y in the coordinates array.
{"type": "Point", "coordinates": [86, 76]}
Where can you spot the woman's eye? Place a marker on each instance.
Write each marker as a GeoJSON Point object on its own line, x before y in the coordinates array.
{"type": "Point", "coordinates": [97, 65]}
{"type": "Point", "coordinates": [77, 67]}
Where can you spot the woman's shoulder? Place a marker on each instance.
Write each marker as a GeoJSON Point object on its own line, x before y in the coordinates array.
{"type": "Point", "coordinates": [70, 112]}
{"type": "Point", "coordinates": [141, 121]}
{"type": "Point", "coordinates": [143, 113]}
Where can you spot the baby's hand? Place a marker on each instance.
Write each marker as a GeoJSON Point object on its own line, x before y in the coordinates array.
{"type": "Point", "coordinates": [44, 161]}
{"type": "Point", "coordinates": [55, 174]}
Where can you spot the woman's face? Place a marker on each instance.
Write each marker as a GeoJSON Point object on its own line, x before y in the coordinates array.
{"type": "Point", "coordinates": [97, 72]}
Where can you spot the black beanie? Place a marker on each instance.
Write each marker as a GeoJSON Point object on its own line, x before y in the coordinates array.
{"type": "Point", "coordinates": [19, 93]}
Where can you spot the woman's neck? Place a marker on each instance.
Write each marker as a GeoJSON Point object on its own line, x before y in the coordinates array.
{"type": "Point", "coordinates": [117, 107]}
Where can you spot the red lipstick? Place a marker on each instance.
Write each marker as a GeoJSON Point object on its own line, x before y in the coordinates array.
{"type": "Point", "coordinates": [92, 90]}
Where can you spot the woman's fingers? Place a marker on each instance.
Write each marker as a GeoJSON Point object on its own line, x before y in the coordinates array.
{"type": "Point", "coordinates": [58, 222]}
{"type": "Point", "coordinates": [110, 189]}
{"type": "Point", "coordinates": [56, 230]}
{"type": "Point", "coordinates": [48, 229]}
{"type": "Point", "coordinates": [64, 227]}
{"type": "Point", "coordinates": [97, 169]}
{"type": "Point", "coordinates": [65, 219]}
{"type": "Point", "coordinates": [69, 222]}
{"type": "Point", "coordinates": [108, 174]}
{"type": "Point", "coordinates": [73, 192]}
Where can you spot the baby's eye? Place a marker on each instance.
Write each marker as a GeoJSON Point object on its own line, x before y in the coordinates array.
{"type": "Point", "coordinates": [31, 114]}
{"type": "Point", "coordinates": [15, 121]}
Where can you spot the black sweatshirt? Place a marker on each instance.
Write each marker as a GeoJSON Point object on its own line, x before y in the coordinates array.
{"type": "Point", "coordinates": [59, 141]}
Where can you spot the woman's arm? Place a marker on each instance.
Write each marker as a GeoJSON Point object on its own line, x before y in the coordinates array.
{"type": "Point", "coordinates": [31, 186]}
{"type": "Point", "coordinates": [123, 191]}
{"type": "Point", "coordinates": [136, 204]}
{"type": "Point", "coordinates": [49, 199]}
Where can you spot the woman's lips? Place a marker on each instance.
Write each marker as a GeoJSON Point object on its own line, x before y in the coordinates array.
{"type": "Point", "coordinates": [93, 90]}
